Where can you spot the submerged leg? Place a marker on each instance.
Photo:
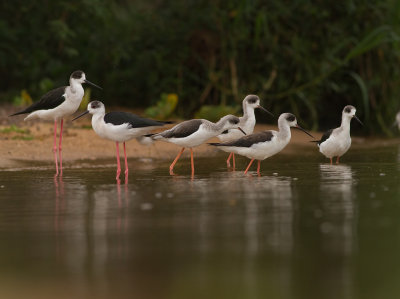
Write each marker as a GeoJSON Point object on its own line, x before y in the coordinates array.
{"type": "Point", "coordinates": [171, 167]}
{"type": "Point", "coordinates": [258, 166]}
{"type": "Point", "coordinates": [337, 160]}
{"type": "Point", "coordinates": [233, 160]}
{"type": "Point", "coordinates": [55, 146]}
{"type": "Point", "coordinates": [59, 146]}
{"type": "Point", "coordinates": [118, 162]}
{"type": "Point", "coordinates": [248, 167]}
{"type": "Point", "coordinates": [191, 160]}
{"type": "Point", "coordinates": [126, 162]}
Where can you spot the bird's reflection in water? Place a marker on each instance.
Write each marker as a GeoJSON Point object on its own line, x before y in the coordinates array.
{"type": "Point", "coordinates": [338, 226]}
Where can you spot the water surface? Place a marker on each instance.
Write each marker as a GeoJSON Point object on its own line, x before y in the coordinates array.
{"type": "Point", "coordinates": [304, 229]}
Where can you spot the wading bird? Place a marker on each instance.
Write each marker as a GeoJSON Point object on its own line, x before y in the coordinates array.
{"type": "Point", "coordinates": [336, 142]}
{"type": "Point", "coordinates": [57, 104]}
{"type": "Point", "coordinates": [247, 123]}
{"type": "Point", "coordinates": [119, 127]}
{"type": "Point", "coordinates": [260, 146]}
{"type": "Point", "coordinates": [194, 132]}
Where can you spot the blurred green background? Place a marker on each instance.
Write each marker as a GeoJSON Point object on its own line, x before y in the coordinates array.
{"type": "Point", "coordinates": [308, 57]}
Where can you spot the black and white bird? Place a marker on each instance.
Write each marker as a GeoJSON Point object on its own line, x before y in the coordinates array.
{"type": "Point", "coordinates": [336, 142]}
{"type": "Point", "coordinates": [57, 104]}
{"type": "Point", "coordinates": [259, 146]}
{"type": "Point", "coordinates": [119, 127]}
{"type": "Point", "coordinates": [194, 132]}
{"type": "Point", "coordinates": [247, 123]}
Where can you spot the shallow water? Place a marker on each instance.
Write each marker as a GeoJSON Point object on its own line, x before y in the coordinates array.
{"type": "Point", "coordinates": [304, 229]}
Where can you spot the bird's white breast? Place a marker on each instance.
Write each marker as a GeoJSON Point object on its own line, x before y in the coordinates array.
{"type": "Point", "coordinates": [337, 144]}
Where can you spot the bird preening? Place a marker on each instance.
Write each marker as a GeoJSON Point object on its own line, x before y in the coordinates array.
{"type": "Point", "coordinates": [236, 134]}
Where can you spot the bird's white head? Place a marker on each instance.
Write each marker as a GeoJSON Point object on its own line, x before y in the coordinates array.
{"type": "Point", "coordinates": [230, 122]}
{"type": "Point", "coordinates": [253, 102]}
{"type": "Point", "coordinates": [96, 107]}
{"type": "Point", "coordinates": [79, 77]}
{"type": "Point", "coordinates": [288, 119]}
{"type": "Point", "coordinates": [350, 112]}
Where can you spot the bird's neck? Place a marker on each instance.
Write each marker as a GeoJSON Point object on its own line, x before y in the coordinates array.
{"type": "Point", "coordinates": [75, 86]}
{"type": "Point", "coordinates": [97, 119]}
{"type": "Point", "coordinates": [345, 125]}
{"type": "Point", "coordinates": [248, 112]}
{"type": "Point", "coordinates": [284, 130]}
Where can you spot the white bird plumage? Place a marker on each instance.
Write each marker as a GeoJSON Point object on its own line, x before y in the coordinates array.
{"type": "Point", "coordinates": [336, 142]}
{"type": "Point", "coordinates": [247, 123]}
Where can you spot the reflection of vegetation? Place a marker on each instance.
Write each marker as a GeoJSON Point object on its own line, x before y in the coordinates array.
{"type": "Point", "coordinates": [17, 133]}
{"type": "Point", "coordinates": [308, 57]}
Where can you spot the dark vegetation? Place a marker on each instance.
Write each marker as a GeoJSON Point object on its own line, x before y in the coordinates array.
{"type": "Point", "coordinates": [308, 57]}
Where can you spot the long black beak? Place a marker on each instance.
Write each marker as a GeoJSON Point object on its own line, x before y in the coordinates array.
{"type": "Point", "coordinates": [241, 130]}
{"type": "Point", "coordinates": [90, 83]}
{"type": "Point", "coordinates": [80, 115]}
{"type": "Point", "coordinates": [301, 129]}
{"type": "Point", "coordinates": [357, 119]}
{"type": "Point", "coordinates": [262, 108]}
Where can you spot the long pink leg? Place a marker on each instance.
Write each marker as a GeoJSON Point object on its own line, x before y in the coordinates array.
{"type": "Point", "coordinates": [171, 167]}
{"type": "Point", "coordinates": [55, 146]}
{"type": "Point", "coordinates": [126, 162]}
{"type": "Point", "coordinates": [118, 162]}
{"type": "Point", "coordinates": [191, 160]}
{"type": "Point", "coordinates": [337, 160]}
{"type": "Point", "coordinates": [258, 167]}
{"type": "Point", "coordinates": [59, 146]}
{"type": "Point", "coordinates": [228, 163]}
{"type": "Point", "coordinates": [248, 167]}
{"type": "Point", "coordinates": [233, 160]}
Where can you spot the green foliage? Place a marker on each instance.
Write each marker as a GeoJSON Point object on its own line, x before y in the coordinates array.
{"type": "Point", "coordinates": [16, 133]}
{"type": "Point", "coordinates": [164, 107]}
{"type": "Point", "coordinates": [308, 57]}
{"type": "Point", "coordinates": [214, 113]}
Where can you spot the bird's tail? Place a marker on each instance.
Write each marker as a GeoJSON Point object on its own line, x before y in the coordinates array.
{"type": "Point", "coordinates": [18, 113]}
{"type": "Point", "coordinates": [314, 141]}
{"type": "Point", "coordinates": [216, 144]}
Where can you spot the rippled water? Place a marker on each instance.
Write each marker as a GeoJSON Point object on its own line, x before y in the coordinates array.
{"type": "Point", "coordinates": [304, 229]}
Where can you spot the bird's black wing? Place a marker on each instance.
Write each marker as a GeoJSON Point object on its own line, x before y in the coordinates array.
{"type": "Point", "coordinates": [119, 118]}
{"type": "Point", "coordinates": [324, 137]}
{"type": "Point", "coordinates": [183, 129]}
{"type": "Point", "coordinates": [248, 140]}
{"type": "Point", "coordinates": [50, 100]}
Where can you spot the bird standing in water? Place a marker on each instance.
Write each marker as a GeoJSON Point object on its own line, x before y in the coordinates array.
{"type": "Point", "coordinates": [194, 132]}
{"type": "Point", "coordinates": [247, 123]}
{"type": "Point", "coordinates": [336, 142]}
{"type": "Point", "coordinates": [260, 146]}
{"type": "Point", "coordinates": [119, 127]}
{"type": "Point", "coordinates": [57, 104]}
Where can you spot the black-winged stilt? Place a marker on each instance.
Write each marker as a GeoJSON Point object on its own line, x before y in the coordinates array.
{"type": "Point", "coordinates": [194, 132]}
{"type": "Point", "coordinates": [58, 103]}
{"type": "Point", "coordinates": [336, 142]}
{"type": "Point", "coordinates": [247, 123]}
{"type": "Point", "coordinates": [259, 146]}
{"type": "Point", "coordinates": [119, 127]}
